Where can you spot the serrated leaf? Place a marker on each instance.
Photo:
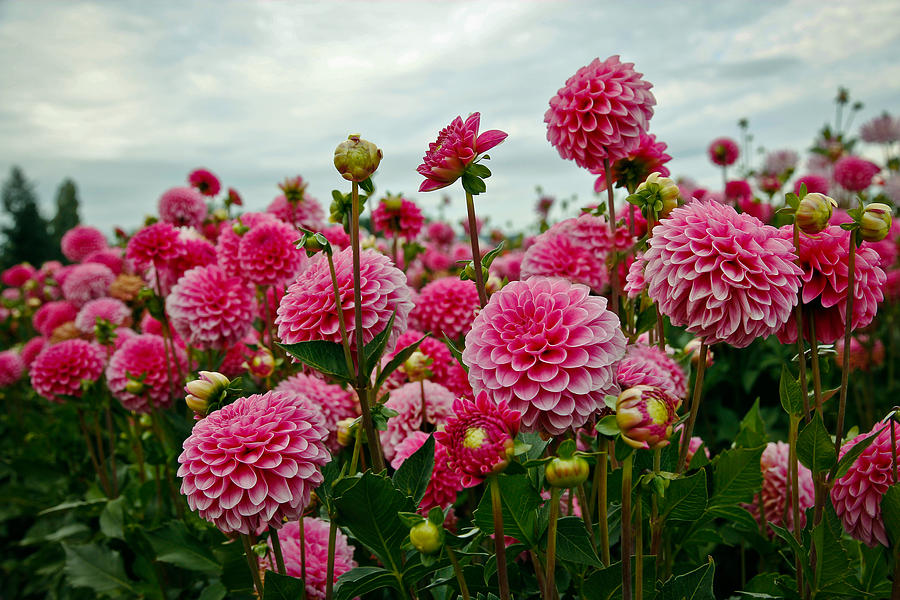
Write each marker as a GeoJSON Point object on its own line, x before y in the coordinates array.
{"type": "Point", "coordinates": [325, 357]}
{"type": "Point", "coordinates": [478, 170]}
{"type": "Point", "coordinates": [472, 184]}
{"type": "Point", "coordinates": [606, 584]}
{"type": "Point", "coordinates": [890, 512]}
{"type": "Point", "coordinates": [375, 348]}
{"type": "Point", "coordinates": [693, 585]}
{"type": "Point", "coordinates": [608, 426]}
{"type": "Point", "coordinates": [398, 359]}
{"type": "Point", "coordinates": [685, 498]}
{"type": "Point", "coordinates": [573, 542]}
{"type": "Point", "coordinates": [362, 580]}
{"type": "Point", "coordinates": [112, 519]}
{"type": "Point", "coordinates": [519, 502]}
{"type": "Point", "coordinates": [752, 433]}
{"type": "Point", "coordinates": [814, 446]}
{"type": "Point", "coordinates": [736, 476]}
{"type": "Point", "coordinates": [414, 474]}
{"type": "Point", "coordinates": [98, 568]}
{"type": "Point", "coordinates": [173, 544]}
{"type": "Point", "coordinates": [282, 587]}
{"type": "Point", "coordinates": [790, 393]}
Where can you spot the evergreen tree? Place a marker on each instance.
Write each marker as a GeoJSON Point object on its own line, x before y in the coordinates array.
{"type": "Point", "coordinates": [66, 210]}
{"type": "Point", "coordinates": [26, 235]}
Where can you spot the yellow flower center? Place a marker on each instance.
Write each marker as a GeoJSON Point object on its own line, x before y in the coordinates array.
{"type": "Point", "coordinates": [475, 437]}
{"type": "Point", "coordinates": [658, 411]}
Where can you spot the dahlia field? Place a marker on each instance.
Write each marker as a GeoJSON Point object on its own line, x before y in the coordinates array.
{"type": "Point", "coordinates": [669, 393]}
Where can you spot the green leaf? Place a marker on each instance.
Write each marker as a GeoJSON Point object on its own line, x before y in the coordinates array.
{"type": "Point", "coordinates": [752, 433]}
{"type": "Point", "coordinates": [573, 542]}
{"type": "Point", "coordinates": [98, 568]}
{"type": "Point", "coordinates": [473, 184]}
{"type": "Point", "coordinates": [325, 492]}
{"type": "Point", "coordinates": [790, 393]}
{"type": "Point", "coordinates": [694, 585]}
{"type": "Point", "coordinates": [833, 565]}
{"type": "Point", "coordinates": [112, 519]}
{"type": "Point", "coordinates": [173, 544]}
{"type": "Point", "coordinates": [395, 362]}
{"type": "Point", "coordinates": [519, 502]}
{"type": "Point", "coordinates": [71, 504]}
{"type": "Point", "coordinates": [646, 320]}
{"type": "Point", "coordinates": [608, 426]}
{"type": "Point", "coordinates": [456, 352]}
{"type": "Point", "coordinates": [282, 587]}
{"type": "Point", "coordinates": [852, 454]}
{"type": "Point", "coordinates": [414, 474]}
{"type": "Point", "coordinates": [736, 476]}
{"type": "Point", "coordinates": [479, 170]}
{"type": "Point", "coordinates": [488, 258]}
{"type": "Point", "coordinates": [890, 511]}
{"type": "Point", "coordinates": [362, 580]}
{"type": "Point", "coordinates": [325, 357]}
{"type": "Point", "coordinates": [606, 584]}
{"type": "Point", "coordinates": [375, 348]}
{"type": "Point", "coordinates": [214, 591]}
{"type": "Point", "coordinates": [368, 185]}
{"type": "Point", "coordinates": [685, 498]}
{"type": "Point", "coordinates": [814, 446]}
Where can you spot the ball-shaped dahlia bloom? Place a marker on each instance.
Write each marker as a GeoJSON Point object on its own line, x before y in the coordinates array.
{"type": "Point", "coordinates": [231, 233]}
{"type": "Point", "coordinates": [479, 437]}
{"type": "Point", "coordinates": [209, 309]}
{"type": "Point", "coordinates": [12, 366]}
{"type": "Point", "coordinates": [457, 146]}
{"type": "Point", "coordinates": [854, 173]}
{"type": "Point", "coordinates": [205, 182]}
{"type": "Point", "coordinates": [649, 157]}
{"type": "Point", "coordinates": [758, 208]}
{"type": "Point", "coordinates": [508, 266]}
{"type": "Point", "coordinates": [724, 276]}
{"type": "Point", "coordinates": [776, 488]}
{"type": "Point", "coordinates": [334, 402]}
{"type": "Point", "coordinates": [440, 233]}
{"type": "Point", "coordinates": [308, 310]}
{"type": "Point", "coordinates": [440, 367]}
{"type": "Point", "coordinates": [337, 237]}
{"type": "Point", "coordinates": [857, 495]}
{"type": "Point", "coordinates": [446, 307]}
{"type": "Point", "coordinates": [407, 400]}
{"type": "Point", "coordinates": [549, 349]}
{"type": "Point", "coordinates": [443, 485]}
{"type": "Point", "coordinates": [183, 207]}
{"type": "Point", "coordinates": [648, 365]}
{"type": "Point", "coordinates": [315, 551]}
{"type": "Point", "coordinates": [253, 463]}
{"type": "Point", "coordinates": [153, 245]}
{"type": "Point", "coordinates": [109, 309]}
{"type": "Point", "coordinates": [306, 213]}
{"type": "Point", "coordinates": [81, 241]}
{"type": "Point", "coordinates": [600, 113]}
{"type": "Point", "coordinates": [780, 162]}
{"type": "Point", "coordinates": [267, 254]}
{"type": "Point", "coordinates": [723, 151]}
{"type": "Point", "coordinates": [86, 282]}
{"type": "Point", "coordinates": [883, 129]}
{"type": "Point", "coordinates": [738, 191]}
{"type": "Point", "coordinates": [404, 220]}
{"type": "Point", "coordinates": [53, 314]}
{"type": "Point", "coordinates": [865, 353]}
{"type": "Point", "coordinates": [17, 275]}
{"type": "Point", "coordinates": [138, 372]}
{"type": "Point", "coordinates": [111, 257]}
{"type": "Point", "coordinates": [32, 348]}
{"type": "Point", "coordinates": [814, 184]}
{"type": "Point", "coordinates": [824, 259]}
{"type": "Point", "coordinates": [58, 370]}
{"type": "Point", "coordinates": [635, 283]}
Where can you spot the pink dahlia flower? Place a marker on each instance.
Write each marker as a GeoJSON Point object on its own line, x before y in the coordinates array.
{"type": "Point", "coordinates": [404, 221]}
{"type": "Point", "coordinates": [53, 314]}
{"type": "Point", "coordinates": [441, 360]}
{"type": "Point", "coordinates": [253, 463]}
{"type": "Point", "coordinates": [205, 182]}
{"type": "Point", "coordinates": [32, 348]}
{"type": "Point", "coordinates": [337, 237]}
{"type": "Point", "coordinates": [111, 257]}
{"type": "Point", "coordinates": [824, 258]}
{"type": "Point", "coordinates": [153, 245]}
{"type": "Point", "coordinates": [723, 275]}
{"type": "Point", "coordinates": [17, 275]}
{"type": "Point", "coordinates": [87, 282]}
{"type": "Point", "coordinates": [446, 307]}
{"type": "Point", "coordinates": [109, 309]}
{"type": "Point", "coordinates": [600, 112]}
{"type": "Point", "coordinates": [315, 544]}
{"type": "Point", "coordinates": [865, 354]}
{"type": "Point", "coordinates": [776, 489]}
{"type": "Point", "coordinates": [757, 208]}
{"type": "Point", "coordinates": [182, 206]}
{"type": "Point", "coordinates": [549, 349]}
{"type": "Point", "coordinates": [334, 402]}
{"type": "Point", "coordinates": [440, 233]}
{"type": "Point", "coordinates": [635, 283]}
{"type": "Point", "coordinates": [228, 244]}
{"type": "Point", "coordinates": [142, 358]}
{"type": "Point", "coordinates": [892, 188]}
{"type": "Point", "coordinates": [443, 485]}
{"type": "Point", "coordinates": [814, 184]}
{"type": "Point", "coordinates": [649, 157]}
{"type": "Point", "coordinates": [779, 162]}
{"type": "Point", "coordinates": [81, 241]}
{"type": "Point", "coordinates": [308, 311]}
{"type": "Point", "coordinates": [738, 191]}
{"type": "Point", "coordinates": [209, 309]}
{"type": "Point", "coordinates": [648, 365]}
{"type": "Point", "coordinates": [408, 402]}
{"type": "Point", "coordinates": [12, 367]}
{"type": "Point", "coordinates": [435, 259]}
{"type": "Point", "coordinates": [854, 173]}
{"type": "Point", "coordinates": [479, 437]}
{"type": "Point", "coordinates": [508, 266]}
{"type": "Point", "coordinates": [723, 151]}
{"type": "Point", "coordinates": [307, 213]}
{"type": "Point", "coordinates": [58, 370]}
{"type": "Point", "coordinates": [195, 251]}
{"type": "Point", "coordinates": [267, 254]}
{"type": "Point", "coordinates": [457, 146]}
{"type": "Point", "coordinates": [883, 129]}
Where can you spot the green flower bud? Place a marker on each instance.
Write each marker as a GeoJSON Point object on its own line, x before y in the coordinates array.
{"type": "Point", "coordinates": [426, 537]}
{"type": "Point", "coordinates": [814, 212]}
{"type": "Point", "coordinates": [392, 202]}
{"type": "Point", "coordinates": [416, 366]}
{"type": "Point", "coordinates": [208, 389]}
{"type": "Point", "coordinates": [567, 472]}
{"type": "Point", "coordinates": [133, 386]}
{"type": "Point", "coordinates": [357, 159]}
{"type": "Point", "coordinates": [665, 193]}
{"type": "Point", "coordinates": [875, 222]}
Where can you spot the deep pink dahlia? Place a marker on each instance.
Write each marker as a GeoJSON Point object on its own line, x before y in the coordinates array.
{"type": "Point", "coordinates": [407, 401]}
{"type": "Point", "coordinates": [760, 209]}
{"type": "Point", "coordinates": [440, 233]}
{"type": "Point", "coordinates": [600, 112]}
{"type": "Point", "coordinates": [549, 349]}
{"type": "Point", "coordinates": [337, 237]}
{"type": "Point", "coordinates": [59, 369]}
{"type": "Point", "coordinates": [253, 463]}
{"type": "Point", "coordinates": [723, 275]}
{"type": "Point", "coordinates": [308, 310]}
{"type": "Point", "coordinates": [508, 266]}
{"type": "Point", "coordinates": [267, 254]}
{"type": "Point", "coordinates": [142, 358]}
{"type": "Point", "coordinates": [109, 309]}
{"type": "Point", "coordinates": [228, 244]}
{"type": "Point", "coordinates": [457, 146]}
{"type": "Point", "coordinates": [12, 366]}
{"type": "Point", "coordinates": [307, 213]}
{"type": "Point", "coordinates": [738, 191]}
{"type": "Point", "coordinates": [111, 257]}
{"type": "Point", "coordinates": [854, 173]}
{"type": "Point", "coordinates": [776, 488]}
{"type": "Point", "coordinates": [883, 129]}
{"type": "Point", "coordinates": [315, 544]}
{"type": "Point", "coordinates": [80, 241]}
{"type": "Point", "coordinates": [334, 402]}
{"type": "Point", "coordinates": [723, 151]}
{"type": "Point", "coordinates": [446, 307]}
{"type": "Point", "coordinates": [205, 182]}
{"type": "Point", "coordinates": [443, 485]}
{"type": "Point", "coordinates": [814, 184]}
{"type": "Point", "coordinates": [153, 245]}
{"type": "Point", "coordinates": [209, 309]}
{"type": "Point", "coordinates": [435, 259]}
{"type": "Point", "coordinates": [441, 360]}
{"type": "Point", "coordinates": [86, 282]}
{"type": "Point", "coordinates": [32, 348]}
{"type": "Point", "coordinates": [53, 314]}
{"type": "Point", "coordinates": [649, 157]}
{"type": "Point", "coordinates": [648, 365]}
{"type": "Point", "coordinates": [404, 221]}
{"type": "Point", "coordinates": [182, 206]}
{"type": "Point", "coordinates": [479, 437]}
{"type": "Point", "coordinates": [17, 275]}
{"type": "Point", "coordinates": [824, 258]}
{"type": "Point", "coordinates": [196, 251]}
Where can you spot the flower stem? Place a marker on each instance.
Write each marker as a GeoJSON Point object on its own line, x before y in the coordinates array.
{"type": "Point", "coordinates": [499, 539]}
{"type": "Point", "coordinates": [111, 432]}
{"type": "Point", "coordinates": [276, 547]}
{"type": "Point", "coordinates": [795, 494]}
{"type": "Point", "coordinates": [814, 363]}
{"type": "Point", "coordinates": [655, 522]}
{"type": "Point", "coordinates": [638, 551]}
{"type": "Point", "coordinates": [460, 578]}
{"type": "Point", "coordinates": [476, 253]}
{"type": "Point", "coordinates": [302, 535]}
{"type": "Point", "coordinates": [101, 473]}
{"type": "Point", "coordinates": [801, 348]}
{"type": "Point", "coordinates": [688, 430]}
{"type": "Point", "coordinates": [627, 468]}
{"type": "Point", "coordinates": [848, 327]}
{"type": "Point", "coordinates": [345, 339]}
{"type": "Point", "coordinates": [252, 564]}
{"type": "Point", "coordinates": [329, 573]}
{"type": "Point", "coordinates": [550, 589]}
{"type": "Point", "coordinates": [610, 203]}
{"type": "Point", "coordinates": [602, 472]}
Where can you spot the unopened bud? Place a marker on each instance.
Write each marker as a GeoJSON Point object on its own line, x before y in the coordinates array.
{"type": "Point", "coordinates": [645, 415]}
{"type": "Point", "coordinates": [133, 386]}
{"type": "Point", "coordinates": [392, 202]}
{"type": "Point", "coordinates": [416, 366]}
{"type": "Point", "coordinates": [426, 537]}
{"type": "Point", "coordinates": [262, 364]}
{"type": "Point", "coordinates": [567, 472]}
{"type": "Point", "coordinates": [814, 212]}
{"type": "Point", "coordinates": [239, 228]}
{"type": "Point", "coordinates": [692, 349]}
{"type": "Point", "coordinates": [357, 159]}
{"type": "Point", "coordinates": [493, 284]}
{"type": "Point", "coordinates": [875, 222]}
{"type": "Point", "coordinates": [206, 390]}
{"type": "Point", "coordinates": [665, 193]}
{"type": "Point", "coordinates": [346, 431]}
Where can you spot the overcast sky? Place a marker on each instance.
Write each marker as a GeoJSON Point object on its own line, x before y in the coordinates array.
{"type": "Point", "coordinates": [128, 97]}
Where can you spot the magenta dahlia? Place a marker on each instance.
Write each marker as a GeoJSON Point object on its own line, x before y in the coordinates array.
{"type": "Point", "coordinates": [80, 241]}
{"type": "Point", "coordinates": [334, 402]}
{"type": "Point", "coordinates": [86, 282]}
{"type": "Point", "coordinates": [138, 372]}
{"type": "Point", "coordinates": [457, 146]}
{"type": "Point", "coordinates": [59, 370]}
{"type": "Point", "coordinates": [306, 213]}
{"type": "Point", "coordinates": [182, 206]}
{"type": "Point", "coordinates": [267, 254]}
{"type": "Point", "coordinates": [723, 151]}
{"type": "Point", "coordinates": [53, 314]}
{"type": "Point", "coordinates": [648, 365]}
{"type": "Point", "coordinates": [757, 208]}
{"type": "Point", "coordinates": [404, 220]}
{"type": "Point", "coordinates": [32, 348]}
{"type": "Point", "coordinates": [865, 353]}
{"type": "Point", "coordinates": [776, 488]}
{"type": "Point", "coordinates": [435, 350]}
{"type": "Point", "coordinates": [600, 112]}
{"type": "Point", "coordinates": [738, 191]}
{"type": "Point", "coordinates": [315, 544]}
{"type": "Point", "coordinates": [631, 170]}
{"type": "Point", "coordinates": [17, 275]}
{"type": "Point", "coordinates": [446, 307]}
{"type": "Point", "coordinates": [508, 266]}
{"type": "Point", "coordinates": [549, 349]}
{"type": "Point", "coordinates": [205, 182]}
{"type": "Point", "coordinates": [408, 402]}
{"type": "Point", "coordinates": [253, 463]}
{"type": "Point", "coordinates": [440, 233]}
{"type": "Point", "coordinates": [12, 367]}
{"type": "Point", "coordinates": [231, 233]}
{"type": "Point", "coordinates": [114, 311]}
{"type": "Point", "coordinates": [443, 485]}
{"type": "Point", "coordinates": [111, 257]}
{"type": "Point", "coordinates": [814, 184]}
{"type": "Point", "coordinates": [153, 245]}
{"type": "Point", "coordinates": [337, 237]}
{"type": "Point", "coordinates": [854, 173]}
{"type": "Point", "coordinates": [725, 276]}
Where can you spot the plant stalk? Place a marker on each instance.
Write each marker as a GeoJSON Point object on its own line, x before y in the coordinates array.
{"type": "Point", "coordinates": [801, 347]}
{"type": "Point", "coordinates": [638, 551]}
{"type": "Point", "coordinates": [476, 252]}
{"type": "Point", "coordinates": [550, 589]}
{"type": "Point", "coordinates": [252, 564]}
{"type": "Point", "coordinates": [688, 430]}
{"type": "Point", "coordinates": [499, 539]}
{"type": "Point", "coordinates": [329, 573]}
{"type": "Point", "coordinates": [276, 548]}
{"type": "Point", "coordinates": [345, 339]}
{"type": "Point", "coordinates": [627, 468]}
{"type": "Point", "coordinates": [602, 472]}
{"type": "Point", "coordinates": [610, 203]}
{"type": "Point", "coordinates": [457, 570]}
{"type": "Point", "coordinates": [848, 327]}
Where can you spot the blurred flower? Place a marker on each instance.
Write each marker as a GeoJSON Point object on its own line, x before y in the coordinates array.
{"type": "Point", "coordinates": [854, 173]}
{"type": "Point", "coordinates": [723, 151]}
{"type": "Point", "coordinates": [80, 241]}
{"type": "Point", "coordinates": [446, 307]}
{"type": "Point", "coordinates": [883, 129]}
{"type": "Point", "coordinates": [205, 182]}
{"type": "Point", "coordinates": [183, 207]}
{"type": "Point", "coordinates": [146, 359]}
{"type": "Point", "coordinates": [776, 488]}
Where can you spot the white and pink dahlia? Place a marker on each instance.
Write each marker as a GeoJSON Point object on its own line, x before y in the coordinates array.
{"type": "Point", "coordinates": [111, 310]}
{"type": "Point", "coordinates": [334, 402]}
{"type": "Point", "coordinates": [86, 282]}
{"type": "Point", "coordinates": [407, 400]}
{"type": "Point", "coordinates": [143, 359]}
{"type": "Point", "coordinates": [776, 488]}
{"type": "Point", "coordinates": [446, 307]}
{"type": "Point", "coordinates": [315, 545]}
{"type": "Point", "coordinates": [648, 365]}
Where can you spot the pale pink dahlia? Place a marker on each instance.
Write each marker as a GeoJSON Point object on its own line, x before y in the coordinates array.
{"type": "Point", "coordinates": [334, 402]}
{"type": "Point", "coordinates": [854, 173]}
{"type": "Point", "coordinates": [723, 151]}
{"type": "Point", "coordinates": [600, 112]}
{"type": "Point", "coordinates": [109, 309]}
{"type": "Point", "coordinates": [648, 365]}
{"type": "Point", "coordinates": [153, 245]}
{"type": "Point", "coordinates": [315, 544]}
{"type": "Point", "coordinates": [549, 349]}
{"type": "Point", "coordinates": [479, 437]}
{"type": "Point", "coordinates": [17, 275]}
{"type": "Point", "coordinates": [814, 184]}
{"type": "Point", "coordinates": [306, 213]}
{"type": "Point", "coordinates": [883, 129]}
{"type": "Point", "coordinates": [267, 254]}
{"type": "Point", "coordinates": [253, 463]}
{"type": "Point", "coordinates": [182, 206]}
{"type": "Point", "coordinates": [443, 484]}
{"type": "Point", "coordinates": [209, 309]}
{"type": "Point", "coordinates": [59, 369]}
{"type": "Point", "coordinates": [142, 358]}
{"type": "Point", "coordinates": [635, 284]}
{"type": "Point", "coordinates": [857, 495]}
{"type": "Point", "coordinates": [776, 488]}
{"type": "Point", "coordinates": [12, 366]}
{"type": "Point", "coordinates": [457, 146]}
{"type": "Point", "coordinates": [824, 258]}
{"type": "Point", "coordinates": [779, 162]}
{"type": "Point", "coordinates": [87, 282]}
{"type": "Point", "coordinates": [404, 221]}
{"type": "Point", "coordinates": [446, 307]}
{"type": "Point", "coordinates": [630, 171]}
{"type": "Point", "coordinates": [205, 182]}
{"type": "Point", "coordinates": [81, 241]}
{"type": "Point", "coordinates": [308, 310]}
{"type": "Point", "coordinates": [53, 314]}
{"type": "Point", "coordinates": [723, 275]}
{"type": "Point", "coordinates": [407, 401]}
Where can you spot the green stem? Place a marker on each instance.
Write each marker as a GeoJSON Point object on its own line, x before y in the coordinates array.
{"type": "Point", "coordinates": [795, 494]}
{"type": "Point", "coordinates": [814, 363]}
{"type": "Point", "coordinates": [688, 430]}
{"type": "Point", "coordinates": [638, 551]}
{"type": "Point", "coordinates": [655, 521]}
{"type": "Point", "coordinates": [602, 472]}
{"type": "Point", "coordinates": [848, 326]}
{"type": "Point", "coordinates": [550, 589]}
{"type": "Point", "coordinates": [345, 339]}
{"type": "Point", "coordinates": [585, 511]}
{"type": "Point", "coordinates": [329, 574]}
{"type": "Point", "coordinates": [499, 539]}
{"type": "Point", "coordinates": [276, 547]}
{"type": "Point", "coordinates": [476, 253]}
{"type": "Point", "coordinates": [252, 564]}
{"type": "Point", "coordinates": [302, 533]}
{"type": "Point", "coordinates": [801, 348]}
{"type": "Point", "coordinates": [611, 205]}
{"type": "Point", "coordinates": [895, 587]}
{"type": "Point", "coordinates": [627, 468]}
{"type": "Point", "coordinates": [101, 473]}
{"type": "Point", "coordinates": [460, 578]}
{"type": "Point", "coordinates": [111, 432]}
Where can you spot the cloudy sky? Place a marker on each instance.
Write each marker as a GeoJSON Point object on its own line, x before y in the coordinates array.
{"type": "Point", "coordinates": [127, 97]}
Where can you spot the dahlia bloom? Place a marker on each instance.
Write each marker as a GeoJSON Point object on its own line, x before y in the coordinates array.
{"type": "Point", "coordinates": [53, 314]}
{"type": "Point", "coordinates": [334, 402]}
{"type": "Point", "coordinates": [648, 157]}
{"type": "Point", "coordinates": [80, 241]}
{"type": "Point", "coordinates": [865, 354]}
{"type": "Point", "coordinates": [404, 221]}
{"type": "Point", "coordinates": [228, 245]}
{"type": "Point", "coordinates": [724, 276]}
{"type": "Point", "coordinates": [457, 146]}
{"type": "Point", "coordinates": [738, 191]}
{"type": "Point", "coordinates": [854, 173]}
{"type": "Point", "coordinates": [776, 488]}
{"type": "Point", "coordinates": [17, 275]}
{"type": "Point", "coordinates": [32, 348]}
{"type": "Point", "coordinates": [12, 366]}
{"type": "Point", "coordinates": [153, 245]}
{"type": "Point", "coordinates": [253, 463]}
{"type": "Point", "coordinates": [142, 358]}
{"type": "Point", "coordinates": [814, 184]}
{"type": "Point", "coordinates": [479, 437]}
{"type": "Point", "coordinates": [86, 282]}
{"type": "Point", "coordinates": [59, 369]}
{"type": "Point", "coordinates": [857, 495]}
{"type": "Point", "coordinates": [779, 162]}
{"type": "Point", "coordinates": [635, 283]}
{"type": "Point", "coordinates": [508, 266]}
{"type": "Point", "coordinates": [548, 349]}
{"type": "Point", "coordinates": [441, 360]}
{"type": "Point", "coordinates": [205, 182]}
{"type": "Point", "coordinates": [648, 365]}
{"type": "Point", "coordinates": [723, 151]}
{"type": "Point", "coordinates": [645, 416]}
{"type": "Point", "coordinates": [883, 129]}
{"type": "Point", "coordinates": [892, 188]}
{"type": "Point", "coordinates": [337, 237]}
{"type": "Point", "coordinates": [408, 402]}
{"type": "Point", "coordinates": [209, 309]}
{"type": "Point", "coordinates": [307, 213]}
{"type": "Point", "coordinates": [440, 233]}
{"type": "Point", "coordinates": [111, 257]}
{"type": "Point", "coordinates": [315, 544]}
{"type": "Point", "coordinates": [443, 484]}
{"type": "Point", "coordinates": [108, 309]}
{"type": "Point", "coordinates": [757, 208]}
{"type": "Point", "coordinates": [824, 259]}
{"type": "Point", "coordinates": [446, 307]}
{"type": "Point", "coordinates": [267, 254]}
{"type": "Point", "coordinates": [600, 112]}
{"type": "Point", "coordinates": [435, 259]}
{"type": "Point", "coordinates": [308, 310]}
{"type": "Point", "coordinates": [182, 206]}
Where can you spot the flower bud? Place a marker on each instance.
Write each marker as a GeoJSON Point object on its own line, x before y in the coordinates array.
{"type": "Point", "coordinates": [426, 537]}
{"type": "Point", "coordinates": [814, 212]}
{"type": "Point", "coordinates": [567, 472]}
{"type": "Point", "coordinates": [645, 415]}
{"type": "Point", "coordinates": [875, 222]}
{"type": "Point", "coordinates": [239, 228]}
{"type": "Point", "coordinates": [356, 159]}
{"type": "Point", "coordinates": [233, 198]}
{"type": "Point", "coordinates": [346, 431]}
{"type": "Point", "coordinates": [665, 198]}
{"type": "Point", "coordinates": [392, 202]}
{"type": "Point", "coordinates": [202, 392]}
{"type": "Point", "coordinates": [416, 366]}
{"type": "Point", "coordinates": [133, 386]}
{"type": "Point", "coordinates": [33, 302]}
{"type": "Point", "coordinates": [294, 188]}
{"type": "Point", "coordinates": [219, 215]}
{"type": "Point", "coordinates": [262, 364]}
{"type": "Point", "coordinates": [493, 284]}
{"type": "Point", "coordinates": [692, 350]}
